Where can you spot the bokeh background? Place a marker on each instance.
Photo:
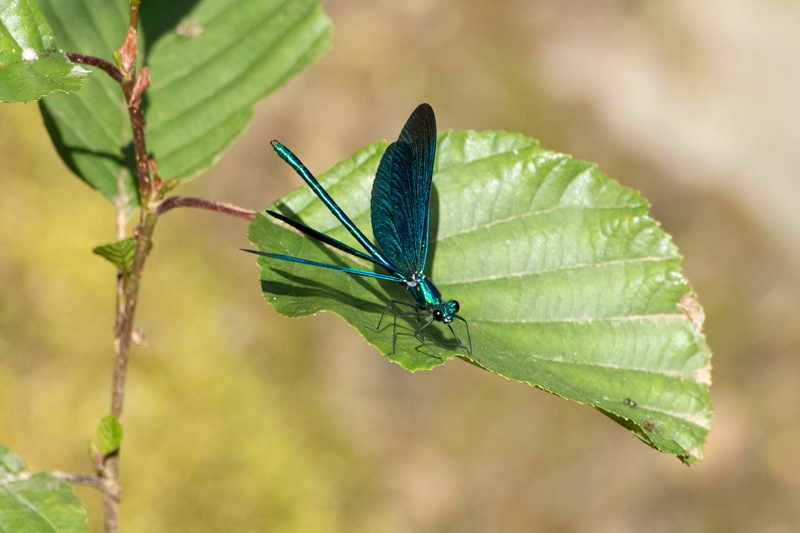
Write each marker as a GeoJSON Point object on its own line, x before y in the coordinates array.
{"type": "Point", "coordinates": [237, 419]}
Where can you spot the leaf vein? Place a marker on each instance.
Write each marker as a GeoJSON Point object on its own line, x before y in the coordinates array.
{"type": "Point", "coordinates": [527, 214]}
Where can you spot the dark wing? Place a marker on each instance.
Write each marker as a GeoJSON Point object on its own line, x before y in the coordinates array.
{"type": "Point", "coordinates": [401, 194]}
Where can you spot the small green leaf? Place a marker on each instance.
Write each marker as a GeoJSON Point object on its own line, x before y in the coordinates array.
{"type": "Point", "coordinates": [109, 433]}
{"type": "Point", "coordinates": [31, 65]}
{"type": "Point", "coordinates": [210, 62]}
{"type": "Point", "coordinates": [36, 503]}
{"type": "Point", "coordinates": [566, 282]}
{"type": "Point", "coordinates": [120, 253]}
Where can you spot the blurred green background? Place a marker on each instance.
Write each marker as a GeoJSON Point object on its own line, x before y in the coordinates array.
{"type": "Point", "coordinates": [237, 419]}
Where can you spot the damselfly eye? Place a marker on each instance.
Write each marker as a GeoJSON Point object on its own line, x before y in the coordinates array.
{"type": "Point", "coordinates": [438, 315]}
{"type": "Point", "coordinates": [456, 307]}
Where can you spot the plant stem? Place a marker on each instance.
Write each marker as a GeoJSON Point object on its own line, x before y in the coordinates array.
{"type": "Point", "coordinates": [132, 88]}
{"type": "Point", "coordinates": [109, 487]}
{"type": "Point", "coordinates": [110, 69]}
{"type": "Point", "coordinates": [201, 203]}
{"type": "Point", "coordinates": [90, 480]}
{"type": "Point", "coordinates": [122, 332]}
{"type": "Point", "coordinates": [107, 478]}
{"type": "Point", "coordinates": [134, 17]}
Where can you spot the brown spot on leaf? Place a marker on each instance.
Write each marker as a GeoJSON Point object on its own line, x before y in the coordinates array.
{"type": "Point", "coordinates": [692, 309]}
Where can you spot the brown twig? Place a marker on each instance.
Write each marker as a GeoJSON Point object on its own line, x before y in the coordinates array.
{"type": "Point", "coordinates": [200, 203]}
{"type": "Point", "coordinates": [109, 489]}
{"type": "Point", "coordinates": [90, 480]}
{"type": "Point", "coordinates": [106, 480]}
{"type": "Point", "coordinates": [132, 88]}
{"type": "Point", "coordinates": [110, 69]}
{"type": "Point", "coordinates": [122, 346]}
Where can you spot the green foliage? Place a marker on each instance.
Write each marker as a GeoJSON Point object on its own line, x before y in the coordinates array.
{"type": "Point", "coordinates": [209, 61]}
{"type": "Point", "coordinates": [36, 503]}
{"type": "Point", "coordinates": [567, 283]}
{"type": "Point", "coordinates": [31, 65]}
{"type": "Point", "coordinates": [120, 253]}
{"type": "Point", "coordinates": [109, 433]}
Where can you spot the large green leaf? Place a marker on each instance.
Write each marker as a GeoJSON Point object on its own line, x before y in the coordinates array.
{"type": "Point", "coordinates": [566, 282]}
{"type": "Point", "coordinates": [36, 503]}
{"type": "Point", "coordinates": [210, 61]}
{"type": "Point", "coordinates": [31, 65]}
